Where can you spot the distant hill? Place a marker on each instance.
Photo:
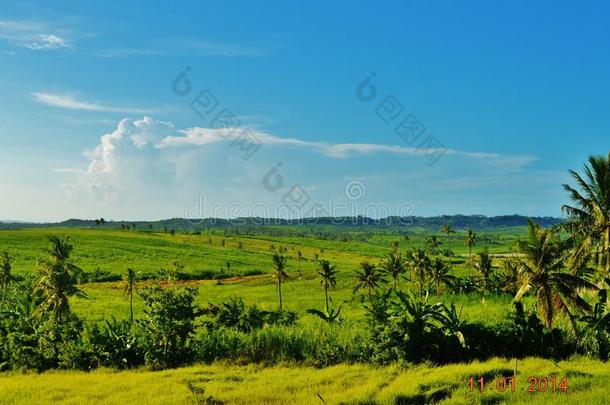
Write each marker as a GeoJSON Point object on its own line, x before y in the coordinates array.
{"type": "Point", "coordinates": [183, 224]}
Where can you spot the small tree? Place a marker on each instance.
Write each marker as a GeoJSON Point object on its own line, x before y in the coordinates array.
{"type": "Point", "coordinates": [129, 280]}
{"type": "Point", "coordinates": [299, 259]}
{"type": "Point", "coordinates": [368, 277]}
{"type": "Point", "coordinates": [420, 265]}
{"type": "Point", "coordinates": [484, 266]}
{"type": "Point", "coordinates": [393, 265]}
{"type": "Point", "coordinates": [433, 244]}
{"type": "Point", "coordinates": [447, 230]}
{"type": "Point", "coordinates": [471, 240]}
{"type": "Point", "coordinates": [279, 263]}
{"type": "Point", "coordinates": [57, 280]}
{"type": "Point", "coordinates": [439, 273]}
{"type": "Point", "coordinates": [328, 278]}
{"type": "Point", "coordinates": [168, 324]}
{"type": "Point", "coordinates": [6, 275]}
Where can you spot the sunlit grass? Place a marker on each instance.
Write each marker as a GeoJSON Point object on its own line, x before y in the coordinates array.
{"type": "Point", "coordinates": [255, 384]}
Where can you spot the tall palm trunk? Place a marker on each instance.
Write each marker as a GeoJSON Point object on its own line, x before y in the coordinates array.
{"type": "Point", "coordinates": [326, 298]}
{"type": "Point", "coordinates": [131, 306]}
{"type": "Point", "coordinates": [607, 250]}
{"type": "Point", "coordinates": [279, 291]}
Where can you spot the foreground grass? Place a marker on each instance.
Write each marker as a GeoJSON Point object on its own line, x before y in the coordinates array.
{"type": "Point", "coordinates": [254, 384]}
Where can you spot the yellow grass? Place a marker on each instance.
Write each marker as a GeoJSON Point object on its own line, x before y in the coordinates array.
{"type": "Point", "coordinates": [358, 383]}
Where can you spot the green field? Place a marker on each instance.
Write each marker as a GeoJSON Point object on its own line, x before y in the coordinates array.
{"type": "Point", "coordinates": [114, 251]}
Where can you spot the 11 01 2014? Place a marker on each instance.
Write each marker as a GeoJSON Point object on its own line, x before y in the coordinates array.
{"type": "Point", "coordinates": [509, 384]}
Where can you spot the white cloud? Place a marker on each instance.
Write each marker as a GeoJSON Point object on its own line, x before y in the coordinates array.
{"type": "Point", "coordinates": [202, 136]}
{"type": "Point", "coordinates": [36, 36]}
{"type": "Point", "coordinates": [147, 161]}
{"type": "Point", "coordinates": [71, 103]}
{"type": "Point", "coordinates": [126, 165]}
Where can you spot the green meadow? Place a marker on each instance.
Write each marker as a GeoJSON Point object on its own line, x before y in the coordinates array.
{"type": "Point", "coordinates": [114, 251]}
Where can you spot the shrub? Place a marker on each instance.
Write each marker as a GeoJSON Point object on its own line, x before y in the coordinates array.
{"type": "Point", "coordinates": [168, 325]}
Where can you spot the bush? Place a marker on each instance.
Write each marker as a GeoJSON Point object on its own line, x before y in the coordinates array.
{"type": "Point", "coordinates": [97, 276]}
{"type": "Point", "coordinates": [116, 344]}
{"type": "Point", "coordinates": [168, 325]}
{"type": "Point", "coordinates": [235, 314]}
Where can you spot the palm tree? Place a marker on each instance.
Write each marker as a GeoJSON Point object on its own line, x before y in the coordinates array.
{"type": "Point", "coordinates": [57, 280]}
{"type": "Point", "coordinates": [6, 275]}
{"type": "Point", "coordinates": [393, 265]}
{"type": "Point", "coordinates": [439, 273]}
{"type": "Point", "coordinates": [328, 278]}
{"type": "Point", "coordinates": [447, 230]}
{"type": "Point", "coordinates": [129, 279]}
{"type": "Point", "coordinates": [279, 263]}
{"type": "Point", "coordinates": [433, 244]}
{"type": "Point", "coordinates": [590, 216]}
{"type": "Point", "coordinates": [420, 265]}
{"type": "Point", "coordinates": [299, 259]}
{"type": "Point", "coordinates": [417, 320]}
{"type": "Point", "coordinates": [509, 278]}
{"type": "Point", "coordinates": [368, 277]}
{"type": "Point", "coordinates": [471, 241]}
{"type": "Point", "coordinates": [484, 266]}
{"type": "Point", "coordinates": [542, 269]}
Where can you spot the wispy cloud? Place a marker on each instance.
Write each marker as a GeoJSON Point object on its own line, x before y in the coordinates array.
{"type": "Point", "coordinates": [71, 103]}
{"type": "Point", "coordinates": [184, 48]}
{"type": "Point", "coordinates": [36, 36]}
{"type": "Point", "coordinates": [202, 136]}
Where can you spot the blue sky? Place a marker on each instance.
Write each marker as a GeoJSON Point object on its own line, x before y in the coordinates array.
{"type": "Point", "coordinates": [514, 94]}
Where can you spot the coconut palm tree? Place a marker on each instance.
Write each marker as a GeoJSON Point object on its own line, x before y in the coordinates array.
{"type": "Point", "coordinates": [415, 320]}
{"type": "Point", "coordinates": [433, 244]}
{"type": "Point", "coordinates": [279, 264]}
{"type": "Point", "coordinates": [542, 270]}
{"type": "Point", "coordinates": [393, 265]}
{"type": "Point", "coordinates": [447, 230]}
{"type": "Point", "coordinates": [589, 217]}
{"type": "Point", "coordinates": [328, 278]}
{"type": "Point", "coordinates": [6, 275]}
{"type": "Point", "coordinates": [368, 277]}
{"type": "Point", "coordinates": [471, 241]}
{"type": "Point", "coordinates": [509, 278]}
{"type": "Point", "coordinates": [439, 273]}
{"type": "Point", "coordinates": [129, 280]}
{"type": "Point", "coordinates": [57, 280]}
{"type": "Point", "coordinates": [483, 264]}
{"type": "Point", "coordinates": [419, 262]}
{"type": "Point", "coordinates": [299, 260]}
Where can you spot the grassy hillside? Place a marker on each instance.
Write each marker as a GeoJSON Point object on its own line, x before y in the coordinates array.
{"type": "Point", "coordinates": [254, 384]}
{"type": "Point", "coordinates": [115, 250]}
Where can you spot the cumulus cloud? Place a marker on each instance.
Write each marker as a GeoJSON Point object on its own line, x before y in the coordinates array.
{"type": "Point", "coordinates": [126, 165]}
{"type": "Point", "coordinates": [71, 103]}
{"type": "Point", "coordinates": [36, 36]}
